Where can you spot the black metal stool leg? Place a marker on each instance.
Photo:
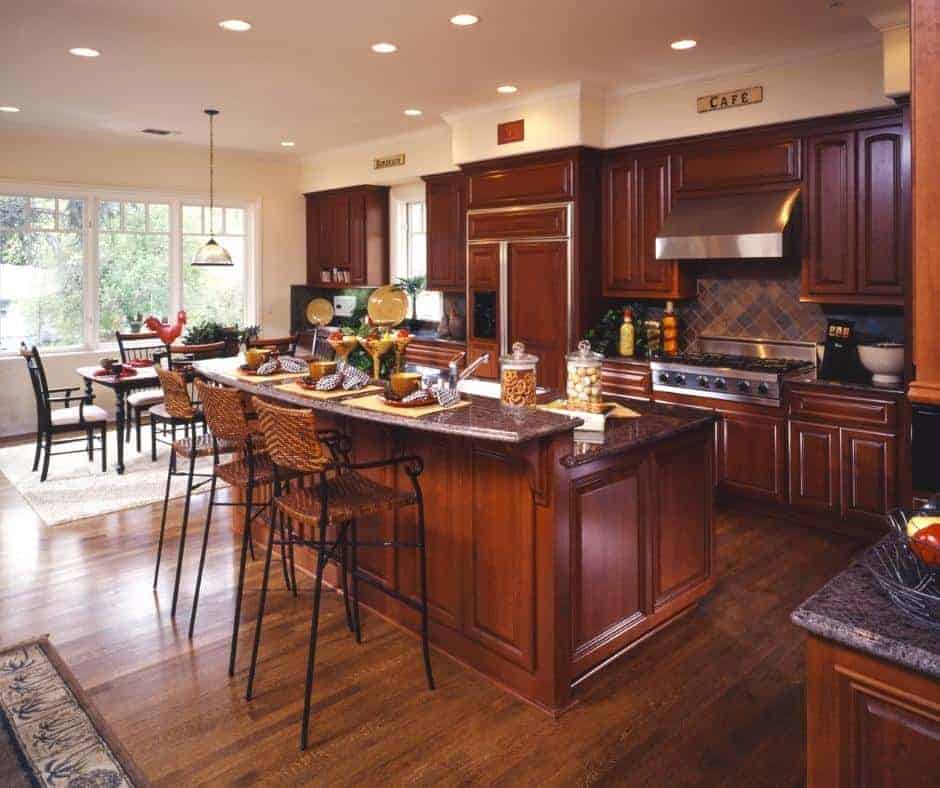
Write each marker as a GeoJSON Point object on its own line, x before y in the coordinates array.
{"type": "Point", "coordinates": [284, 549]}
{"type": "Point", "coordinates": [314, 626]}
{"type": "Point", "coordinates": [243, 560]}
{"type": "Point", "coordinates": [202, 557]}
{"type": "Point", "coordinates": [153, 440]}
{"type": "Point", "coordinates": [179, 557]}
{"type": "Point", "coordinates": [425, 646]}
{"type": "Point", "coordinates": [104, 446]}
{"type": "Point", "coordinates": [293, 565]}
{"type": "Point", "coordinates": [344, 570]}
{"type": "Point", "coordinates": [355, 581]}
{"type": "Point", "coordinates": [89, 436]}
{"type": "Point", "coordinates": [138, 418]}
{"type": "Point", "coordinates": [261, 601]}
{"type": "Point", "coordinates": [171, 467]}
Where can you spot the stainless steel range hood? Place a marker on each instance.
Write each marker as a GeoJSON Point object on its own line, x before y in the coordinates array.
{"type": "Point", "coordinates": [740, 226]}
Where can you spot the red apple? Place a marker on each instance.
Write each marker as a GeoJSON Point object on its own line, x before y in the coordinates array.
{"type": "Point", "coordinates": [926, 543]}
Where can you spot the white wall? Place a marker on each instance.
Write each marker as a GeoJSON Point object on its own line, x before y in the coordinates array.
{"type": "Point", "coordinates": [166, 166]}
{"type": "Point", "coordinates": [841, 82]}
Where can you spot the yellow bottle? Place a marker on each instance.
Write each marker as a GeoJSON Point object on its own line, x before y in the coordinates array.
{"type": "Point", "coordinates": [627, 344]}
{"type": "Point", "coordinates": [670, 331]}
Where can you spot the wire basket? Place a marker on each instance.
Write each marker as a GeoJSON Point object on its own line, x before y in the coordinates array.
{"type": "Point", "coordinates": [907, 581]}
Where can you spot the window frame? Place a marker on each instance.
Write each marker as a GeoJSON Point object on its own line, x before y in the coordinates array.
{"type": "Point", "coordinates": [92, 197]}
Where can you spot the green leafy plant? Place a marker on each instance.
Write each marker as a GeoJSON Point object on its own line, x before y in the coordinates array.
{"type": "Point", "coordinates": [412, 285]}
{"type": "Point", "coordinates": [206, 332]}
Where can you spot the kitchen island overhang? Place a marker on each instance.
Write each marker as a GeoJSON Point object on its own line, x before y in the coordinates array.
{"type": "Point", "coordinates": [547, 557]}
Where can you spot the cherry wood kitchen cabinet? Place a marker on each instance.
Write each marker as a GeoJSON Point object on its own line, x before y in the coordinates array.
{"type": "Point", "coordinates": [435, 352]}
{"type": "Point", "coordinates": [347, 229]}
{"type": "Point", "coordinates": [626, 379]}
{"type": "Point", "coordinates": [752, 460]}
{"type": "Point", "coordinates": [868, 722]}
{"type": "Point", "coordinates": [844, 453]}
{"type": "Point", "coordinates": [857, 204]}
{"type": "Point", "coordinates": [446, 196]}
{"type": "Point", "coordinates": [636, 199]}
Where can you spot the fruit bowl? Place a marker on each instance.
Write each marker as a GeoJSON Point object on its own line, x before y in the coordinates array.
{"type": "Point", "coordinates": [885, 361]}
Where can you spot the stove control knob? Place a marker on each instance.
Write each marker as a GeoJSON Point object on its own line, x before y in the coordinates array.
{"type": "Point", "coordinates": [663, 377]}
{"type": "Point", "coordinates": [744, 386]}
{"type": "Point", "coordinates": [721, 383]}
{"type": "Point", "coordinates": [762, 388]}
{"type": "Point", "coordinates": [703, 381]}
{"type": "Point", "coordinates": [679, 380]}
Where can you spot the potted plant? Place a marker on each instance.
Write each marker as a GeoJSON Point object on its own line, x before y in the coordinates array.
{"type": "Point", "coordinates": [135, 323]}
{"type": "Point", "coordinates": [412, 285]}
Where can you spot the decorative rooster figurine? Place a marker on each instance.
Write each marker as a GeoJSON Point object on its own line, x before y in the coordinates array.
{"type": "Point", "coordinates": [166, 332]}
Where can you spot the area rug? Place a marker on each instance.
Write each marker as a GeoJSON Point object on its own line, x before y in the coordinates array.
{"type": "Point", "coordinates": [77, 488]}
{"type": "Point", "coordinates": [50, 733]}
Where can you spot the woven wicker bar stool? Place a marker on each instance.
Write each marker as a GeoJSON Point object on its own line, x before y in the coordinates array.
{"type": "Point", "coordinates": [224, 410]}
{"type": "Point", "coordinates": [329, 512]}
{"type": "Point", "coordinates": [182, 412]}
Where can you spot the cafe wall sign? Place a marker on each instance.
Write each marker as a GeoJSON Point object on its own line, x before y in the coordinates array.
{"type": "Point", "coordinates": [398, 160]}
{"type": "Point", "coordinates": [732, 98]}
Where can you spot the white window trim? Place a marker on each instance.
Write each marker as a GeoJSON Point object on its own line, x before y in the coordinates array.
{"type": "Point", "coordinates": [92, 196]}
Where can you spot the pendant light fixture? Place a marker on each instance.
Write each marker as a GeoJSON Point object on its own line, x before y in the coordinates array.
{"type": "Point", "coordinates": [212, 254]}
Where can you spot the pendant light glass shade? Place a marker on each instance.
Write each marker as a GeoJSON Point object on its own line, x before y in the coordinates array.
{"type": "Point", "coordinates": [212, 253]}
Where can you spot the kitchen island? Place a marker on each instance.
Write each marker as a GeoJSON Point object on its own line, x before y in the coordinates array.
{"type": "Point", "coordinates": [547, 556]}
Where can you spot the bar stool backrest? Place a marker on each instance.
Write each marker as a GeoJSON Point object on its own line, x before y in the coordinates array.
{"type": "Point", "coordinates": [286, 346]}
{"type": "Point", "coordinates": [290, 435]}
{"type": "Point", "coordinates": [176, 397]}
{"type": "Point", "coordinates": [224, 410]}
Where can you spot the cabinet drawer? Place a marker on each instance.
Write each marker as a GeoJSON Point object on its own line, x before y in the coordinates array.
{"type": "Point", "coordinates": [528, 223]}
{"type": "Point", "coordinates": [813, 404]}
{"type": "Point", "coordinates": [620, 380]}
{"type": "Point", "coordinates": [432, 354]}
{"type": "Point", "coordinates": [490, 369]}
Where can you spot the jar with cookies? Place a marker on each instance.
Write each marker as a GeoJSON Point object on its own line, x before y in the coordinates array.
{"type": "Point", "coordinates": [584, 379]}
{"type": "Point", "coordinates": [517, 377]}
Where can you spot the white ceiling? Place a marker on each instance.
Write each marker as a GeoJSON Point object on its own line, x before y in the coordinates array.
{"type": "Point", "coordinates": [306, 72]}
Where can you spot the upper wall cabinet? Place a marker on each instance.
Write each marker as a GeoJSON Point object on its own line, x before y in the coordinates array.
{"type": "Point", "coordinates": [446, 230]}
{"type": "Point", "coordinates": [857, 201]}
{"type": "Point", "coordinates": [347, 237]}
{"type": "Point", "coordinates": [748, 163]}
{"type": "Point", "coordinates": [637, 198]}
{"type": "Point", "coordinates": [523, 180]}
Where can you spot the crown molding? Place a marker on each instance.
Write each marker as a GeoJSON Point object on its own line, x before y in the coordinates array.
{"type": "Point", "coordinates": [896, 19]}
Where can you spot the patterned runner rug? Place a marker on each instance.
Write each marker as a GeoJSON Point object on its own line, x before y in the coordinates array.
{"type": "Point", "coordinates": [50, 734]}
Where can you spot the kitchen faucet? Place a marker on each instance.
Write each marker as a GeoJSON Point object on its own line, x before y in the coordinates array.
{"type": "Point", "coordinates": [453, 379]}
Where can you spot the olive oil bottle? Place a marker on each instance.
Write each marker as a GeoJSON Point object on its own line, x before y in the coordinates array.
{"type": "Point", "coordinates": [627, 344]}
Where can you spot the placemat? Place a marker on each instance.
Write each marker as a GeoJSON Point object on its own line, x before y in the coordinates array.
{"type": "Point", "coordinates": [293, 388]}
{"type": "Point", "coordinates": [267, 378]}
{"type": "Point", "coordinates": [615, 410]}
{"type": "Point", "coordinates": [377, 404]}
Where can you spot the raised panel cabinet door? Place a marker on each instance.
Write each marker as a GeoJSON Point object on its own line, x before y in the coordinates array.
{"type": "Point", "coordinates": [682, 546]}
{"type": "Point", "coordinates": [608, 560]}
{"type": "Point", "coordinates": [815, 481]}
{"type": "Point", "coordinates": [502, 576]}
{"type": "Point", "coordinates": [339, 230]}
{"type": "Point", "coordinates": [752, 455]}
{"type": "Point", "coordinates": [539, 182]}
{"type": "Point", "coordinates": [881, 193]}
{"type": "Point", "coordinates": [483, 265]}
{"type": "Point", "coordinates": [754, 162]}
{"type": "Point", "coordinates": [356, 239]}
{"type": "Point", "coordinates": [869, 474]}
{"type": "Point", "coordinates": [313, 240]}
{"type": "Point", "coordinates": [654, 204]}
{"type": "Point", "coordinates": [538, 297]}
{"type": "Point", "coordinates": [446, 219]}
{"type": "Point", "coordinates": [831, 261]}
{"type": "Point", "coordinates": [620, 237]}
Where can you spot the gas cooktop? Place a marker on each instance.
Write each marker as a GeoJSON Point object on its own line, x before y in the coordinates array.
{"type": "Point", "coordinates": [728, 361]}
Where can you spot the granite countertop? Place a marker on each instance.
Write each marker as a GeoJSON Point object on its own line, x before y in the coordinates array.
{"type": "Point", "coordinates": [484, 419]}
{"type": "Point", "coordinates": [657, 422]}
{"type": "Point", "coordinates": [811, 379]}
{"type": "Point", "coordinates": [851, 609]}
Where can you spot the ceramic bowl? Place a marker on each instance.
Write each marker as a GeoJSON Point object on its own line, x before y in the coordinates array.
{"type": "Point", "coordinates": [885, 361]}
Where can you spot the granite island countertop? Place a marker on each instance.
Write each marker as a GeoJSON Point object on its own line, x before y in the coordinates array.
{"type": "Point", "coordinates": [851, 609]}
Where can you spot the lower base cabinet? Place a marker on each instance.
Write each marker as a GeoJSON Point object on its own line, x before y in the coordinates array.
{"type": "Point", "coordinates": [752, 455]}
{"type": "Point", "coordinates": [868, 722]}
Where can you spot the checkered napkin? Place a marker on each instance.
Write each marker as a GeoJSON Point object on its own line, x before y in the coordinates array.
{"type": "Point", "coordinates": [415, 396]}
{"type": "Point", "coordinates": [290, 364]}
{"type": "Point", "coordinates": [268, 368]}
{"type": "Point", "coordinates": [329, 382]}
{"type": "Point", "coordinates": [353, 378]}
{"type": "Point", "coordinates": [447, 397]}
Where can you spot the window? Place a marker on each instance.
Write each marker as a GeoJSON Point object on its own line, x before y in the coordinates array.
{"type": "Point", "coordinates": [412, 258]}
{"type": "Point", "coordinates": [42, 271]}
{"type": "Point", "coordinates": [75, 268]}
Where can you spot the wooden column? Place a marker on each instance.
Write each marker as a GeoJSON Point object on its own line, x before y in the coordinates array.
{"type": "Point", "coordinates": [925, 68]}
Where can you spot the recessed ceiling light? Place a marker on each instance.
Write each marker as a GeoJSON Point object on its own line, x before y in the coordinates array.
{"type": "Point", "coordinates": [84, 52]}
{"type": "Point", "coordinates": [287, 143]}
{"type": "Point", "coordinates": [413, 113]}
{"type": "Point", "coordinates": [685, 43]}
{"type": "Point", "coordinates": [464, 20]}
{"type": "Point", "coordinates": [506, 89]}
{"type": "Point", "coordinates": [384, 48]}
{"type": "Point", "coordinates": [235, 25]}
{"type": "Point", "coordinates": [9, 109]}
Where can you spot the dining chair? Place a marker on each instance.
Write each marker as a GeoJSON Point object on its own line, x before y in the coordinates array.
{"type": "Point", "coordinates": [324, 517]}
{"type": "Point", "coordinates": [51, 421]}
{"type": "Point", "coordinates": [286, 346]}
{"type": "Point", "coordinates": [139, 349]}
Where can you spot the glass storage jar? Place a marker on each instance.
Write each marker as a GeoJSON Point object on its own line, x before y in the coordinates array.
{"type": "Point", "coordinates": [517, 377]}
{"type": "Point", "coordinates": [584, 378]}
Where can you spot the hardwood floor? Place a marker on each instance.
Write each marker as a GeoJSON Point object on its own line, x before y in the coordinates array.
{"type": "Point", "coordinates": [717, 699]}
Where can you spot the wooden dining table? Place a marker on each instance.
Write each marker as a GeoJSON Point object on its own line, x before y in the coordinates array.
{"type": "Point", "coordinates": [146, 378]}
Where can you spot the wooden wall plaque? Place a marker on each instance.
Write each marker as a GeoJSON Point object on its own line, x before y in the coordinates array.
{"type": "Point", "coordinates": [511, 131]}
{"type": "Point", "coordinates": [732, 98]}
